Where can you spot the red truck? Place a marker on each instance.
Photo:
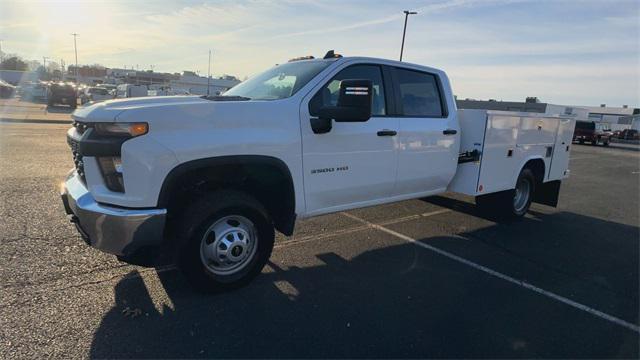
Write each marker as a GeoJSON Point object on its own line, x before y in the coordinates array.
{"type": "Point", "coordinates": [592, 132]}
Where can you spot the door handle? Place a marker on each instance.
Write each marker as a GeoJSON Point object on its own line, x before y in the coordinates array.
{"type": "Point", "coordinates": [450, 132]}
{"type": "Point", "coordinates": [387, 133]}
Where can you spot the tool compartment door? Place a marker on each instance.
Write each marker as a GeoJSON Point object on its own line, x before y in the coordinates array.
{"type": "Point", "coordinates": [561, 150]}
{"type": "Point", "coordinates": [473, 125]}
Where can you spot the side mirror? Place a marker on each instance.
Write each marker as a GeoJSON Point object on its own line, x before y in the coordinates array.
{"type": "Point", "coordinates": [354, 102]}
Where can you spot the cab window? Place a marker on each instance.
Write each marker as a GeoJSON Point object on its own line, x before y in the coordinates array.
{"type": "Point", "coordinates": [419, 93]}
{"type": "Point", "coordinates": [328, 95]}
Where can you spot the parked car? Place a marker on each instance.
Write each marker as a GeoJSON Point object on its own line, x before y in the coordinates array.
{"type": "Point", "coordinates": [592, 132]}
{"type": "Point", "coordinates": [62, 93]}
{"type": "Point", "coordinates": [6, 90]}
{"type": "Point", "coordinates": [33, 91]}
{"type": "Point", "coordinates": [627, 134]}
{"type": "Point", "coordinates": [95, 94]}
{"type": "Point", "coordinates": [302, 139]}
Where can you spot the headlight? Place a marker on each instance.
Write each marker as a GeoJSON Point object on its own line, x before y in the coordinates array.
{"type": "Point", "coordinates": [122, 129]}
{"type": "Point", "coordinates": [111, 167]}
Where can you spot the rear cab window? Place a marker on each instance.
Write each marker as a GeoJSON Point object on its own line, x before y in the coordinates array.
{"type": "Point", "coordinates": [419, 94]}
{"type": "Point", "coordinates": [585, 125]}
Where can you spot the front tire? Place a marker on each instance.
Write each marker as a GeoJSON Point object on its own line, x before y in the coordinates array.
{"type": "Point", "coordinates": [227, 240]}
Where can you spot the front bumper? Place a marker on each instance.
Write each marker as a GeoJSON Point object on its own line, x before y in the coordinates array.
{"type": "Point", "coordinates": [114, 230]}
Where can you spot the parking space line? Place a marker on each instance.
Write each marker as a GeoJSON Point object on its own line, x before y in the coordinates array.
{"type": "Point", "coordinates": [502, 276]}
{"type": "Point", "coordinates": [305, 239]}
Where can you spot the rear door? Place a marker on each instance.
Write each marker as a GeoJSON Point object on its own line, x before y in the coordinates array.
{"type": "Point", "coordinates": [428, 137]}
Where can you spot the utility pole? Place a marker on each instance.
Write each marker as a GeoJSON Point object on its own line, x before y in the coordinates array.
{"type": "Point", "coordinates": [75, 48]}
{"type": "Point", "coordinates": [404, 32]}
{"type": "Point", "coordinates": [44, 64]}
{"type": "Point", "coordinates": [209, 73]}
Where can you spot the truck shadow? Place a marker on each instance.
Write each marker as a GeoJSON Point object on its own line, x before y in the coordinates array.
{"type": "Point", "coordinates": [400, 301]}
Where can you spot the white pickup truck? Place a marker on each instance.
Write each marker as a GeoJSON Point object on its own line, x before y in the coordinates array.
{"type": "Point", "coordinates": [209, 179]}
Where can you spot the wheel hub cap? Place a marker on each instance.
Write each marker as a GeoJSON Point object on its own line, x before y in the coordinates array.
{"type": "Point", "coordinates": [228, 245]}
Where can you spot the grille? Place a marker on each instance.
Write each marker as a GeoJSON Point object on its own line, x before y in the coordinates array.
{"type": "Point", "coordinates": [75, 147]}
{"type": "Point", "coordinates": [80, 127]}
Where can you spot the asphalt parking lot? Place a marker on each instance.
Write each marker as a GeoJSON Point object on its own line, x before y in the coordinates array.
{"type": "Point", "coordinates": [421, 278]}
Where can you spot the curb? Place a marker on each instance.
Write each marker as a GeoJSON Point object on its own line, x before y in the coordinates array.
{"type": "Point", "coordinates": [34, 121]}
{"type": "Point", "coordinates": [623, 141]}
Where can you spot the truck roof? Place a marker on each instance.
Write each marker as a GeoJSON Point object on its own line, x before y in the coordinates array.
{"type": "Point", "coordinates": [372, 60]}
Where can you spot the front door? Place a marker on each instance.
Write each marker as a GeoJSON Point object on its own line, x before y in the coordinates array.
{"type": "Point", "coordinates": [353, 164]}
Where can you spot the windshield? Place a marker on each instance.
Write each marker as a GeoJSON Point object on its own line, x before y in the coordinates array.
{"type": "Point", "coordinates": [279, 82]}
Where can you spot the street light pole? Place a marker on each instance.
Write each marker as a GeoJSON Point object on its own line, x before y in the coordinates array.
{"type": "Point", "coordinates": [75, 48]}
{"type": "Point", "coordinates": [209, 73]}
{"type": "Point", "coordinates": [404, 32]}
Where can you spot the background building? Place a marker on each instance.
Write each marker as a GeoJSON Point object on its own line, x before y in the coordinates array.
{"type": "Point", "coordinates": [196, 84]}
{"type": "Point", "coordinates": [611, 114]}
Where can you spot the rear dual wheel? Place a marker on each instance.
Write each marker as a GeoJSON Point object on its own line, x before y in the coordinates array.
{"type": "Point", "coordinates": [511, 203]}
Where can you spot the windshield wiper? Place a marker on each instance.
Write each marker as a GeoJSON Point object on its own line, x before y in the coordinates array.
{"type": "Point", "coordinates": [226, 98]}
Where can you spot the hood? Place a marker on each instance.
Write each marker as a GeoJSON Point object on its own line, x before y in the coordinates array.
{"type": "Point", "coordinates": [108, 111]}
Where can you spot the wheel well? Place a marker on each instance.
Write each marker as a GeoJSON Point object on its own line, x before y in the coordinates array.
{"type": "Point", "coordinates": [537, 167]}
{"type": "Point", "coordinates": [265, 178]}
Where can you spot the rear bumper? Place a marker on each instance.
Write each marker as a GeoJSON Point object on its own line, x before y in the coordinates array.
{"type": "Point", "coordinates": [114, 230]}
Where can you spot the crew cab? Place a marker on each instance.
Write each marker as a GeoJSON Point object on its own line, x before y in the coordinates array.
{"type": "Point", "coordinates": [209, 179]}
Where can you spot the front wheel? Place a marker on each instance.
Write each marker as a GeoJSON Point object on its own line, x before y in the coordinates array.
{"type": "Point", "coordinates": [228, 238]}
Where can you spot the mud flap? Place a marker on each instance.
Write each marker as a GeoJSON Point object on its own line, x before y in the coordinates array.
{"type": "Point", "coordinates": [547, 193]}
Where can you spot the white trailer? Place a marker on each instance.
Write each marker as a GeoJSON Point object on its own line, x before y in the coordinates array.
{"type": "Point", "coordinates": [129, 91]}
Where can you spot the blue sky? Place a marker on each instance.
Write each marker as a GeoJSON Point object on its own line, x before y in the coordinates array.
{"type": "Point", "coordinates": [563, 51]}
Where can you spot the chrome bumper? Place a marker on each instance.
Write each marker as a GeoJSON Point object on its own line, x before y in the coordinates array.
{"type": "Point", "coordinates": [114, 230]}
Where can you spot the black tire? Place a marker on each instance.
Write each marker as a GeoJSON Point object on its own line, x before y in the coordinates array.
{"type": "Point", "coordinates": [197, 220]}
{"type": "Point", "coordinates": [605, 143]}
{"type": "Point", "coordinates": [503, 204]}
{"type": "Point", "coordinates": [581, 141]}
